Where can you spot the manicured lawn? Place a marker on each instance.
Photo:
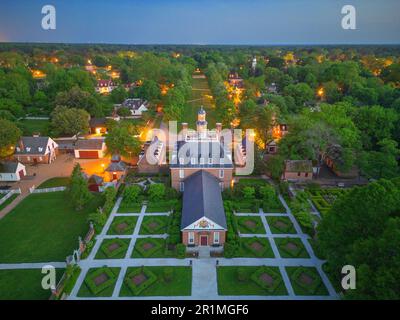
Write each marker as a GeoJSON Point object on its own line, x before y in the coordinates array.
{"type": "Point", "coordinates": [113, 249]}
{"type": "Point", "coordinates": [252, 225]}
{"type": "Point", "coordinates": [291, 248]}
{"type": "Point", "coordinates": [122, 225]}
{"type": "Point", "coordinates": [8, 201]}
{"type": "Point", "coordinates": [230, 285]}
{"type": "Point", "coordinates": [55, 182]}
{"type": "Point", "coordinates": [256, 248]}
{"type": "Point", "coordinates": [159, 207]}
{"type": "Point", "coordinates": [306, 281]}
{"type": "Point", "coordinates": [280, 225]}
{"type": "Point", "coordinates": [103, 289]}
{"type": "Point", "coordinates": [24, 284]}
{"type": "Point", "coordinates": [154, 225]}
{"type": "Point", "coordinates": [152, 248]}
{"type": "Point", "coordinates": [129, 207]}
{"type": "Point", "coordinates": [43, 227]}
{"type": "Point", "coordinates": [178, 284]}
{"type": "Point", "coordinates": [29, 127]}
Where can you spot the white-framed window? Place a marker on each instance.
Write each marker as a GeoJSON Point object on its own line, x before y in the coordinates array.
{"type": "Point", "coordinates": [181, 160]}
{"type": "Point", "coordinates": [193, 160]}
{"type": "Point", "coordinates": [181, 173]}
{"type": "Point", "coordinates": [216, 237]}
{"type": "Point", "coordinates": [190, 237]}
{"type": "Point", "coordinates": [221, 173]}
{"type": "Point", "coordinates": [210, 161]}
{"type": "Point", "coordinates": [181, 186]}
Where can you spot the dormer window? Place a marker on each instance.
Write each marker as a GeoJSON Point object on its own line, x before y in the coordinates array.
{"type": "Point", "coordinates": [210, 161]}
{"type": "Point", "coordinates": [18, 149]}
{"type": "Point", "coordinates": [181, 160]}
{"type": "Point", "coordinates": [28, 149]}
{"type": "Point", "coordinates": [40, 149]}
{"type": "Point", "coordinates": [193, 160]}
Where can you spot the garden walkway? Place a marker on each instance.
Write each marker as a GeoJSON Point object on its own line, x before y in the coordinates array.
{"type": "Point", "coordinates": [204, 271]}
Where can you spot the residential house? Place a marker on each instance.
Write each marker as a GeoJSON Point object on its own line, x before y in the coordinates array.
{"type": "Point", "coordinates": [36, 149]}
{"type": "Point", "coordinates": [105, 86]}
{"type": "Point", "coordinates": [90, 148]}
{"type": "Point", "coordinates": [98, 125]}
{"type": "Point", "coordinates": [298, 170]}
{"type": "Point", "coordinates": [136, 106]}
{"type": "Point", "coordinates": [12, 171]}
{"type": "Point", "coordinates": [203, 221]}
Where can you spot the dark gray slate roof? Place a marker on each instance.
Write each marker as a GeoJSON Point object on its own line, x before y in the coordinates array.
{"type": "Point", "coordinates": [32, 145]}
{"type": "Point", "coordinates": [8, 167]}
{"type": "Point", "coordinates": [116, 167]}
{"type": "Point", "coordinates": [202, 198]}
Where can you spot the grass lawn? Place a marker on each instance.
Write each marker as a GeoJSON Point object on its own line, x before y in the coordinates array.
{"type": "Point", "coordinates": [24, 284]}
{"type": "Point", "coordinates": [230, 285]}
{"type": "Point", "coordinates": [8, 201]}
{"type": "Point", "coordinates": [113, 249]}
{"type": "Point", "coordinates": [306, 281]}
{"type": "Point", "coordinates": [55, 182]}
{"type": "Point", "coordinates": [256, 248]}
{"type": "Point", "coordinates": [280, 225]}
{"type": "Point", "coordinates": [43, 227]}
{"type": "Point", "coordinates": [129, 208]}
{"type": "Point", "coordinates": [250, 225]}
{"type": "Point", "coordinates": [122, 225]}
{"type": "Point", "coordinates": [158, 207]}
{"type": "Point", "coordinates": [108, 286]}
{"type": "Point", "coordinates": [152, 248]}
{"type": "Point", "coordinates": [154, 225]}
{"type": "Point", "coordinates": [180, 283]}
{"type": "Point", "coordinates": [200, 93]}
{"type": "Point", "coordinates": [291, 248]}
{"type": "Point", "coordinates": [29, 127]}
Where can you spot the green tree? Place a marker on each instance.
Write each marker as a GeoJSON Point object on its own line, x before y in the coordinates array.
{"type": "Point", "coordinates": [248, 192]}
{"type": "Point", "coordinates": [79, 191]}
{"type": "Point", "coordinates": [9, 136]}
{"type": "Point", "coordinates": [131, 193]}
{"type": "Point", "coordinates": [156, 191]}
{"type": "Point", "coordinates": [69, 121]}
{"type": "Point", "coordinates": [120, 140]}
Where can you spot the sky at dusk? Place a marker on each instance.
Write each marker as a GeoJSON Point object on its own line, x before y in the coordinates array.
{"type": "Point", "coordinates": [259, 22]}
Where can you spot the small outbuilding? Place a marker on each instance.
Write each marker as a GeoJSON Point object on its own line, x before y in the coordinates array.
{"type": "Point", "coordinates": [12, 171]}
{"type": "Point", "coordinates": [90, 149]}
{"type": "Point", "coordinates": [298, 170]}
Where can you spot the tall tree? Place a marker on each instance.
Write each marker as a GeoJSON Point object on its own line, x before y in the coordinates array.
{"type": "Point", "coordinates": [9, 136]}
{"type": "Point", "coordinates": [78, 189]}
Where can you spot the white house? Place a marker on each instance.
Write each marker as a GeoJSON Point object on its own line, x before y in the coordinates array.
{"type": "Point", "coordinates": [12, 171]}
{"type": "Point", "coordinates": [136, 106]}
{"type": "Point", "coordinates": [105, 86]}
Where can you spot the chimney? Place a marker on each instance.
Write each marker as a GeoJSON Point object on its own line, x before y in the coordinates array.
{"type": "Point", "coordinates": [184, 130]}
{"type": "Point", "coordinates": [21, 144]}
{"type": "Point", "coordinates": [184, 125]}
{"type": "Point", "coordinates": [218, 127]}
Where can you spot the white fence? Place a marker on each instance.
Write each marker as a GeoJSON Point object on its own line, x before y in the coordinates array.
{"type": "Point", "coordinates": [44, 190]}
{"type": "Point", "coordinates": [9, 194]}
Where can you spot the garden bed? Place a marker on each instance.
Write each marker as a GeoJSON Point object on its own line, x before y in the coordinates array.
{"type": "Point", "coordinates": [291, 248]}
{"type": "Point", "coordinates": [250, 225]}
{"type": "Point", "coordinates": [157, 281]}
{"type": "Point", "coordinates": [306, 281]}
{"type": "Point", "coordinates": [280, 225]}
{"type": "Point", "coordinates": [122, 225]}
{"type": "Point", "coordinates": [154, 225]}
{"type": "Point", "coordinates": [152, 248]}
{"type": "Point", "coordinates": [255, 248]}
{"type": "Point", "coordinates": [230, 285]}
{"type": "Point", "coordinates": [99, 282]}
{"type": "Point", "coordinates": [113, 249]}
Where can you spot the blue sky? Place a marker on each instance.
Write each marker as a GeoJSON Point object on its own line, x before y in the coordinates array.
{"type": "Point", "coordinates": [201, 21]}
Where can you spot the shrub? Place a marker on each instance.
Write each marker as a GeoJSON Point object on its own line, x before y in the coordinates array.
{"type": "Point", "coordinates": [131, 193]}
{"type": "Point", "coordinates": [156, 191]}
{"type": "Point", "coordinates": [181, 250]}
{"type": "Point", "coordinates": [248, 192]}
{"type": "Point", "coordinates": [242, 274]}
{"type": "Point", "coordinates": [229, 250]}
{"type": "Point", "coordinates": [274, 275]}
{"type": "Point", "coordinates": [95, 289]}
{"type": "Point", "coordinates": [284, 188]}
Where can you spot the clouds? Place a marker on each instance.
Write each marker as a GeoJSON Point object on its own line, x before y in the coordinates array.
{"type": "Point", "coordinates": [202, 21]}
